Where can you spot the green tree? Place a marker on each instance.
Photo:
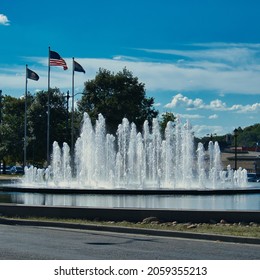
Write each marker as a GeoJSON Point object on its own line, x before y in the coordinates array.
{"type": "Point", "coordinates": [166, 117]}
{"type": "Point", "coordinates": [117, 96]}
{"type": "Point", "coordinates": [37, 124]}
{"type": "Point", "coordinates": [249, 136]}
{"type": "Point", "coordinates": [12, 129]}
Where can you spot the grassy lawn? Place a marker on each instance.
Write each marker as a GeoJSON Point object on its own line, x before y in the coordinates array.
{"type": "Point", "coordinates": [243, 230]}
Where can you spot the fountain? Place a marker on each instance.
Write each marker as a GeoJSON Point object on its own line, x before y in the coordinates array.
{"type": "Point", "coordinates": [132, 171]}
{"type": "Point", "coordinates": [134, 160]}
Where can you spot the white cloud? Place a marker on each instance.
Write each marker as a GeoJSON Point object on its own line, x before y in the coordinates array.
{"type": "Point", "coordinates": [191, 116]}
{"type": "Point", "coordinates": [125, 58]}
{"type": "Point", "coordinates": [213, 117]}
{"type": "Point", "coordinates": [202, 130]}
{"type": "Point", "coordinates": [220, 53]}
{"type": "Point", "coordinates": [4, 20]}
{"type": "Point", "coordinates": [222, 67]}
{"type": "Point", "coordinates": [215, 105]}
{"type": "Point", "coordinates": [246, 108]}
{"type": "Point", "coordinates": [226, 45]}
{"type": "Point", "coordinates": [180, 100]}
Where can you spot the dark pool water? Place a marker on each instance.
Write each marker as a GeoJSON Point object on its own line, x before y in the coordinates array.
{"type": "Point", "coordinates": [200, 202]}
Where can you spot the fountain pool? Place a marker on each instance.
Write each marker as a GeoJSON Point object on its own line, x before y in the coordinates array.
{"type": "Point", "coordinates": [227, 202]}
{"type": "Point", "coordinates": [135, 170]}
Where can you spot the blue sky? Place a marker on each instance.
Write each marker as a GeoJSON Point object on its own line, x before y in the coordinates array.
{"type": "Point", "coordinates": [198, 59]}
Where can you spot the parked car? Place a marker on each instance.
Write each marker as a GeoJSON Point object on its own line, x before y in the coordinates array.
{"type": "Point", "coordinates": [17, 170]}
{"type": "Point", "coordinates": [7, 169]}
{"type": "Point", "coordinates": [253, 177]}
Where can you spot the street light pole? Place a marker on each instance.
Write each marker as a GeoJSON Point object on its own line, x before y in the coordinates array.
{"type": "Point", "coordinates": [25, 120]}
{"type": "Point", "coordinates": [72, 118]}
{"type": "Point", "coordinates": [67, 119]}
{"type": "Point", "coordinates": [235, 135]}
{"type": "Point", "coordinates": [48, 113]}
{"type": "Point", "coordinates": [72, 113]}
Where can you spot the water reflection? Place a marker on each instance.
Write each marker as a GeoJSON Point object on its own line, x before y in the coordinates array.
{"type": "Point", "coordinates": [205, 202]}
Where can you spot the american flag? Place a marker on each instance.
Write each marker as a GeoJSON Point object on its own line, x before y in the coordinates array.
{"type": "Point", "coordinates": [56, 60]}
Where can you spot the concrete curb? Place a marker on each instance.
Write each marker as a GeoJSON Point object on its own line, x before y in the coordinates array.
{"type": "Point", "coordinates": [128, 230]}
{"type": "Point", "coordinates": [127, 214]}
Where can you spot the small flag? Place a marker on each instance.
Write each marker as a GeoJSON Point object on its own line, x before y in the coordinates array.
{"type": "Point", "coordinates": [32, 75]}
{"type": "Point", "coordinates": [56, 60]}
{"type": "Point", "coordinates": [77, 67]}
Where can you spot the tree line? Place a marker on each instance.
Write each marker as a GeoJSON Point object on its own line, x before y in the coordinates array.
{"type": "Point", "coordinates": [115, 96]}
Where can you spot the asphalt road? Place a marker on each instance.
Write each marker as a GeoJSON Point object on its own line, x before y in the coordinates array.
{"type": "Point", "coordinates": [33, 242]}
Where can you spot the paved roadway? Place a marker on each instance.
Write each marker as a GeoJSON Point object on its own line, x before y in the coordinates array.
{"type": "Point", "coordinates": [33, 242]}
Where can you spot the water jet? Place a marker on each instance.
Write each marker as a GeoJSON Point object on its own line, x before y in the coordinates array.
{"type": "Point", "coordinates": [134, 160]}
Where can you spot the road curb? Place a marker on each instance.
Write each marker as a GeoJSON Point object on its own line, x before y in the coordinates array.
{"type": "Point", "coordinates": [128, 230]}
{"type": "Point", "coordinates": [127, 214]}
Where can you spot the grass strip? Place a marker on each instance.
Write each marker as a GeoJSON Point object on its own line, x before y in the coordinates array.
{"type": "Point", "coordinates": [222, 228]}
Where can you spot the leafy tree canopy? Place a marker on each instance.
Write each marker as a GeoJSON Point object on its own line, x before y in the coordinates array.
{"type": "Point", "coordinates": [37, 122]}
{"type": "Point", "coordinates": [249, 136]}
{"type": "Point", "coordinates": [12, 129]}
{"type": "Point", "coordinates": [117, 96]}
{"type": "Point", "coordinates": [166, 117]}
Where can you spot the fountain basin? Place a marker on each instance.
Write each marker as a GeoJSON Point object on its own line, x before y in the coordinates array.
{"type": "Point", "coordinates": [130, 214]}
{"type": "Point", "coordinates": [242, 199]}
{"type": "Point", "coordinates": [124, 191]}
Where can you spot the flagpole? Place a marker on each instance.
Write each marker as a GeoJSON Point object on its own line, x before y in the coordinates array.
{"type": "Point", "coordinates": [25, 119]}
{"type": "Point", "coordinates": [72, 117]}
{"type": "Point", "coordinates": [48, 112]}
